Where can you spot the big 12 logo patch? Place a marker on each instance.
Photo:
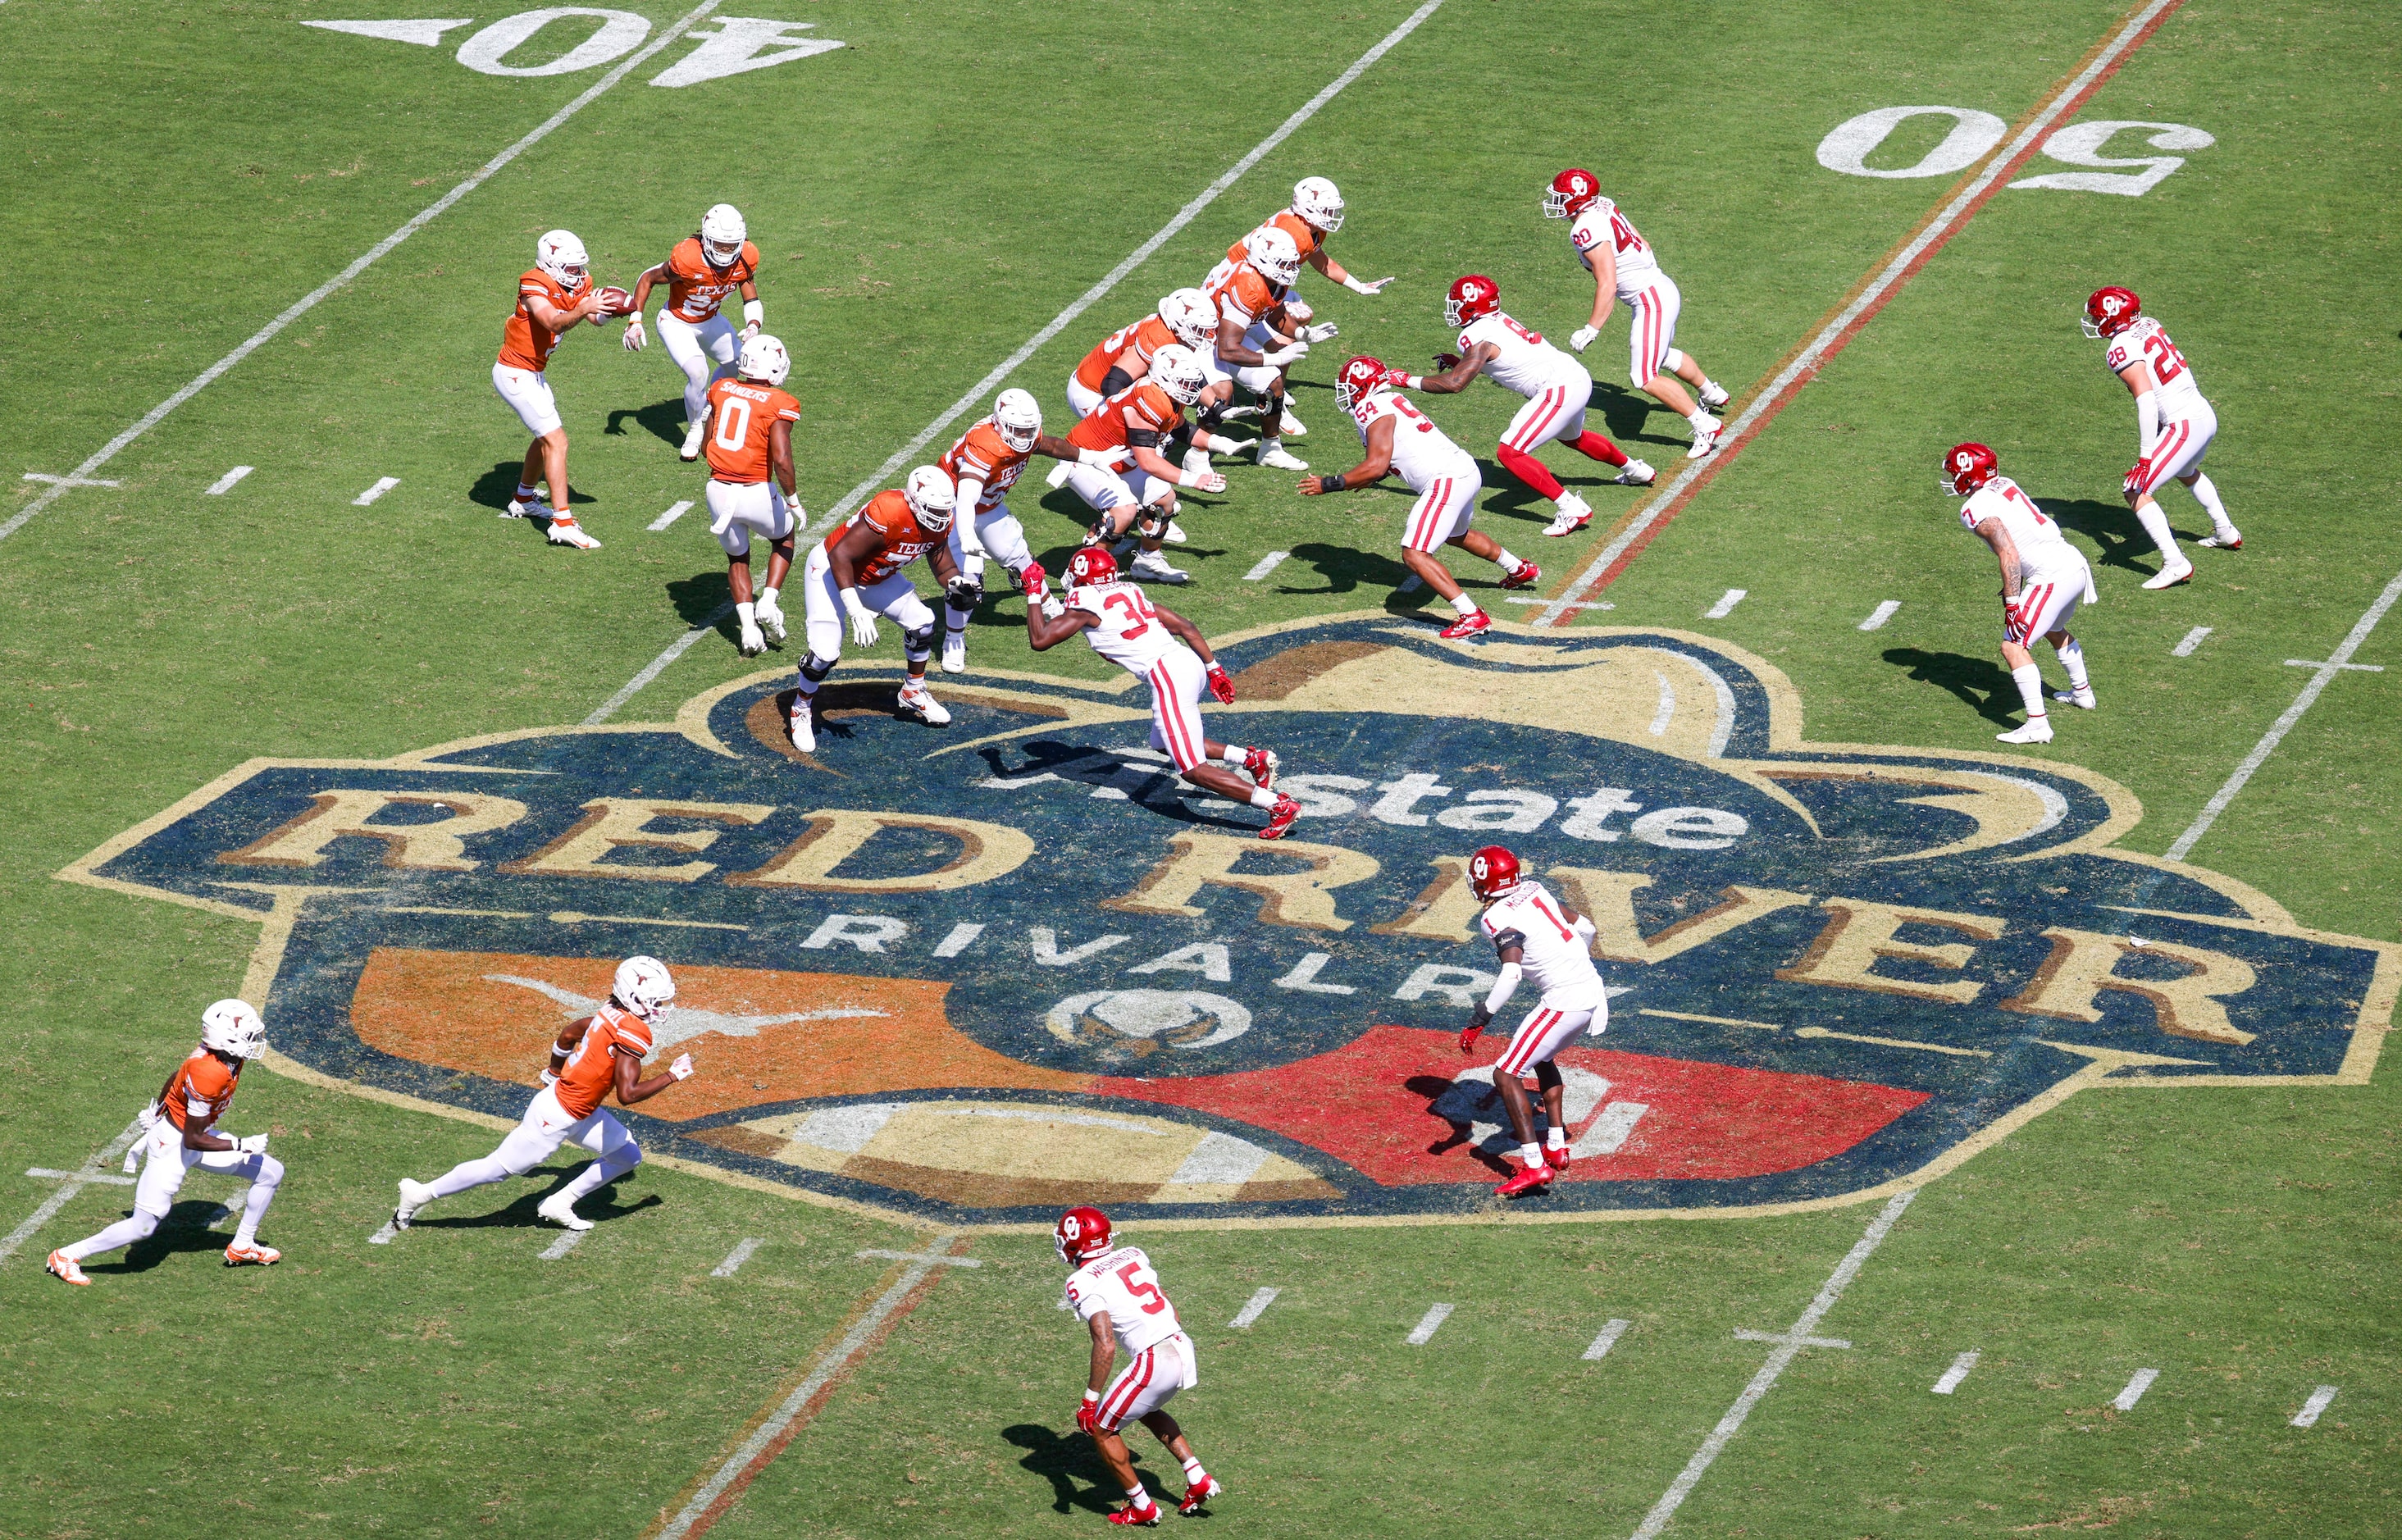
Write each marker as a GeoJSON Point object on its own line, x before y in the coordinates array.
{"type": "Point", "coordinates": [979, 974]}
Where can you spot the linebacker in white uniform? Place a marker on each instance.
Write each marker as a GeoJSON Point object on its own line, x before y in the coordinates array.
{"type": "Point", "coordinates": [1625, 267]}
{"type": "Point", "coordinates": [2174, 425]}
{"type": "Point", "coordinates": [1139, 637]}
{"type": "Point", "coordinates": [1536, 937]}
{"type": "Point", "coordinates": [1400, 441]}
{"type": "Point", "coordinates": [1115, 1293]}
{"type": "Point", "coordinates": [2044, 579]}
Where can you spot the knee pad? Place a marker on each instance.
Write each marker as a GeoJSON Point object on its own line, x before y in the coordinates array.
{"type": "Point", "coordinates": [964, 594]}
{"type": "Point", "coordinates": [918, 645]}
{"type": "Point", "coordinates": [1151, 522]}
{"type": "Point", "coordinates": [1672, 360]}
{"type": "Point", "coordinates": [815, 668]}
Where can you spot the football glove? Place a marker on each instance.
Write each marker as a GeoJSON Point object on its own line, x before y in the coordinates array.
{"type": "Point", "coordinates": [255, 1145]}
{"type": "Point", "coordinates": [681, 1068]}
{"type": "Point", "coordinates": [1371, 285]}
{"type": "Point", "coordinates": [862, 621]}
{"type": "Point", "coordinates": [964, 593]}
{"type": "Point", "coordinates": [1322, 332]}
{"type": "Point", "coordinates": [1445, 362]}
{"type": "Point", "coordinates": [1222, 684]}
{"type": "Point", "coordinates": [1030, 581]}
{"type": "Point", "coordinates": [634, 338]}
{"type": "Point", "coordinates": [2137, 475]}
{"type": "Point", "coordinates": [1284, 356]}
{"type": "Point", "coordinates": [1477, 1022]}
{"type": "Point", "coordinates": [1089, 1414]}
{"type": "Point", "coordinates": [1582, 337]}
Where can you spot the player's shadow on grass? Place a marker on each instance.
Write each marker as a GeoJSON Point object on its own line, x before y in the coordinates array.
{"type": "Point", "coordinates": [1980, 683]}
{"type": "Point", "coordinates": [661, 417]}
{"type": "Point", "coordinates": [495, 486]}
{"type": "Point", "coordinates": [186, 1227]}
{"type": "Point", "coordinates": [2111, 525]}
{"type": "Point", "coordinates": [600, 1205]}
{"type": "Point", "coordinates": [698, 597]}
{"type": "Point", "coordinates": [1623, 413]}
{"type": "Point", "coordinates": [1066, 1462]}
{"type": "Point", "coordinates": [1346, 570]}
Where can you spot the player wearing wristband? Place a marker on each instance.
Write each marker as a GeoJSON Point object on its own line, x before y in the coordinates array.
{"type": "Point", "coordinates": [983, 465]}
{"type": "Point", "coordinates": [1116, 1294]}
{"type": "Point", "coordinates": [1400, 441]}
{"type": "Point", "coordinates": [1538, 938]}
{"type": "Point", "coordinates": [702, 270]}
{"type": "Point", "coordinates": [591, 1058]}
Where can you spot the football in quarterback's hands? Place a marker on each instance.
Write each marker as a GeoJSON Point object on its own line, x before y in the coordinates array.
{"type": "Point", "coordinates": [614, 302]}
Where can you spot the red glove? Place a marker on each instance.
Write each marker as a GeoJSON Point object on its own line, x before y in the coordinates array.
{"type": "Point", "coordinates": [2137, 476]}
{"type": "Point", "coordinates": [1221, 686]}
{"type": "Point", "coordinates": [1089, 1414]}
{"type": "Point", "coordinates": [1031, 581]}
{"type": "Point", "coordinates": [1445, 362]}
{"type": "Point", "coordinates": [1468, 1035]}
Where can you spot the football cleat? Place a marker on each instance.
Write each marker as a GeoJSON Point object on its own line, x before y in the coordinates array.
{"type": "Point", "coordinates": [559, 1211]}
{"type": "Point", "coordinates": [1524, 577]}
{"type": "Point", "coordinates": [1175, 534]}
{"type": "Point", "coordinates": [1713, 396]}
{"type": "Point", "coordinates": [1272, 456]}
{"type": "Point", "coordinates": [802, 724]}
{"type": "Point", "coordinates": [955, 652]}
{"type": "Point", "coordinates": [1147, 1515]}
{"type": "Point", "coordinates": [2169, 577]}
{"type": "Point", "coordinates": [564, 530]}
{"type": "Point", "coordinates": [1565, 522]}
{"type": "Point", "coordinates": [1467, 626]}
{"type": "Point", "coordinates": [1280, 818]}
{"type": "Point", "coordinates": [252, 1256]}
{"type": "Point", "coordinates": [1204, 1490]}
{"type": "Point", "coordinates": [520, 508]}
{"type": "Point", "coordinates": [66, 1270]}
{"type": "Point", "coordinates": [752, 643]}
{"type": "Point", "coordinates": [691, 449]}
{"type": "Point", "coordinates": [2038, 730]}
{"type": "Point", "coordinates": [1705, 439]}
{"type": "Point", "coordinates": [919, 702]}
{"type": "Point", "coordinates": [771, 620]}
{"type": "Point", "coordinates": [1260, 765]}
{"type": "Point", "coordinates": [413, 1196]}
{"type": "Point", "coordinates": [1529, 1179]}
{"type": "Point", "coordinates": [2081, 697]}
{"type": "Point", "coordinates": [1151, 567]}
{"type": "Point", "coordinates": [1557, 1157]}
{"type": "Point", "coordinates": [1291, 426]}
{"type": "Point", "coordinates": [2231, 541]}
{"type": "Point", "coordinates": [1637, 474]}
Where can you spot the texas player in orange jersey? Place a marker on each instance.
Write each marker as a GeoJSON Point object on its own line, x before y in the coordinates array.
{"type": "Point", "coordinates": [1122, 472]}
{"type": "Point", "coordinates": [1259, 337]}
{"type": "Point", "coordinates": [1317, 213]}
{"type": "Point", "coordinates": [854, 574]}
{"type": "Point", "coordinates": [553, 294]}
{"type": "Point", "coordinates": [751, 482]}
{"type": "Point", "coordinates": [1184, 316]}
{"type": "Point", "coordinates": [179, 1132]}
{"type": "Point", "coordinates": [983, 466]}
{"type": "Point", "coordinates": [699, 273]}
{"type": "Point", "coordinates": [591, 1058]}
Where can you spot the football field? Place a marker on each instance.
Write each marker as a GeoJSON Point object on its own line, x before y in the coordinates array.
{"type": "Point", "coordinates": [1987, 1140]}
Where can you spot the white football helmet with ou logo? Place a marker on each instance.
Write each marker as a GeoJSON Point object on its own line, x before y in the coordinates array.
{"type": "Point", "coordinates": [643, 986]}
{"type": "Point", "coordinates": [1190, 316]}
{"type": "Point", "coordinates": [1315, 199]}
{"type": "Point", "coordinates": [722, 234]}
{"type": "Point", "coordinates": [561, 255]}
{"type": "Point", "coordinates": [931, 497]}
{"type": "Point", "coordinates": [1175, 370]}
{"type": "Point", "coordinates": [1018, 418]}
{"type": "Point", "coordinates": [231, 1026]}
{"type": "Point", "coordinates": [1274, 254]}
{"type": "Point", "coordinates": [763, 359]}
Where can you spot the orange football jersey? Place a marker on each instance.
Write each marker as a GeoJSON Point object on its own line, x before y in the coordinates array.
{"type": "Point", "coordinates": [695, 289]}
{"type": "Point", "coordinates": [1304, 236]}
{"type": "Point", "coordinates": [1236, 287]}
{"type": "Point", "coordinates": [1141, 407]}
{"type": "Point", "coordinates": [591, 1071]}
{"type": "Point", "coordinates": [200, 1091]}
{"type": "Point", "coordinates": [980, 454]}
{"type": "Point", "coordinates": [901, 539]}
{"type": "Point", "coordinates": [1142, 339]}
{"type": "Point", "coordinates": [742, 418]}
{"type": "Point", "coordinates": [525, 342]}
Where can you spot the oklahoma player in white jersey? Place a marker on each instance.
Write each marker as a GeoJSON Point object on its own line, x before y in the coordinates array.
{"type": "Point", "coordinates": [2174, 425]}
{"type": "Point", "coordinates": [1538, 938]}
{"type": "Point", "coordinates": [2044, 579]}
{"type": "Point", "coordinates": [1625, 267]}
{"type": "Point", "coordinates": [1115, 1293]}
{"type": "Point", "coordinates": [1400, 441]}
{"type": "Point", "coordinates": [1125, 628]}
{"type": "Point", "coordinates": [1556, 386]}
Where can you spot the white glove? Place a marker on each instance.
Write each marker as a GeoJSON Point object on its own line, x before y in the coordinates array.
{"type": "Point", "coordinates": [1372, 286]}
{"type": "Point", "coordinates": [134, 1157]}
{"type": "Point", "coordinates": [1285, 354]}
{"type": "Point", "coordinates": [1108, 458]}
{"type": "Point", "coordinates": [1202, 481]}
{"type": "Point", "coordinates": [1582, 337]}
{"type": "Point", "coordinates": [681, 1068]}
{"type": "Point", "coordinates": [255, 1145]}
{"type": "Point", "coordinates": [147, 1119]}
{"type": "Point", "coordinates": [863, 620]}
{"type": "Point", "coordinates": [1318, 333]}
{"type": "Point", "coordinates": [1053, 607]}
{"type": "Point", "coordinates": [634, 338]}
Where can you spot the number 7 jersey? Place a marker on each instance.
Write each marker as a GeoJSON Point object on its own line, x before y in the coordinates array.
{"type": "Point", "coordinates": [1124, 1284]}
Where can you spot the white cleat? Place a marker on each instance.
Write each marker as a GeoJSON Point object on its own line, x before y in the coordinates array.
{"type": "Point", "coordinates": [920, 702]}
{"type": "Point", "coordinates": [2038, 730]}
{"type": "Point", "coordinates": [771, 620]}
{"type": "Point", "coordinates": [1175, 535]}
{"type": "Point", "coordinates": [559, 1211]}
{"type": "Point", "coordinates": [1272, 455]}
{"type": "Point", "coordinates": [955, 652]}
{"type": "Point", "coordinates": [1058, 477]}
{"type": "Point", "coordinates": [2082, 700]}
{"type": "Point", "coordinates": [752, 643]}
{"type": "Point", "coordinates": [1705, 439]}
{"type": "Point", "coordinates": [2229, 539]}
{"type": "Point", "coordinates": [1291, 426]}
{"type": "Point", "coordinates": [2169, 577]}
{"type": "Point", "coordinates": [803, 723]}
{"type": "Point", "coordinates": [413, 1196]}
{"type": "Point", "coordinates": [564, 530]}
{"type": "Point", "coordinates": [1713, 396]}
{"type": "Point", "coordinates": [691, 450]}
{"type": "Point", "coordinates": [1151, 567]}
{"type": "Point", "coordinates": [1637, 474]}
{"type": "Point", "coordinates": [1574, 514]}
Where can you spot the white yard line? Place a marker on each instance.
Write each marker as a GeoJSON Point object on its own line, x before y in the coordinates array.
{"type": "Point", "coordinates": [2126, 1399]}
{"type": "Point", "coordinates": [373, 254]}
{"type": "Point", "coordinates": [227, 482]}
{"type": "Point", "coordinates": [87, 1174]}
{"type": "Point", "coordinates": [1607, 1340]}
{"type": "Point", "coordinates": [1957, 1372]}
{"type": "Point", "coordinates": [105, 1178]}
{"type": "Point", "coordinates": [1254, 1307]}
{"type": "Point", "coordinates": [735, 1258]}
{"type": "Point", "coordinates": [565, 1243]}
{"type": "Point", "coordinates": [383, 485]}
{"type": "Point", "coordinates": [2320, 1400]}
{"type": "Point", "coordinates": [2193, 640]}
{"type": "Point", "coordinates": [1267, 564]}
{"type": "Point", "coordinates": [2322, 672]}
{"type": "Point", "coordinates": [668, 517]}
{"type": "Point", "coordinates": [1731, 1424]}
{"type": "Point", "coordinates": [1428, 1324]}
{"type": "Point", "coordinates": [1725, 606]}
{"type": "Point", "coordinates": [1883, 613]}
{"type": "Point", "coordinates": [1085, 301]}
{"type": "Point", "coordinates": [658, 665]}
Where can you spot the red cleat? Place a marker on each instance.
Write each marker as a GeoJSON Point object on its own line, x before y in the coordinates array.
{"type": "Point", "coordinates": [1260, 765]}
{"type": "Point", "coordinates": [1208, 1487]}
{"type": "Point", "coordinates": [1280, 818]}
{"type": "Point", "coordinates": [1467, 626]}
{"type": "Point", "coordinates": [1524, 577]}
{"type": "Point", "coordinates": [1557, 1157]}
{"type": "Point", "coordinates": [1147, 1515]}
{"type": "Point", "coordinates": [1525, 1182]}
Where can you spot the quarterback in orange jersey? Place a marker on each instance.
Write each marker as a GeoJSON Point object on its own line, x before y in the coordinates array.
{"type": "Point", "coordinates": [983, 466]}
{"type": "Point", "coordinates": [553, 294]}
{"type": "Point", "coordinates": [1258, 336]}
{"type": "Point", "coordinates": [1122, 470]}
{"type": "Point", "coordinates": [591, 1058]}
{"type": "Point", "coordinates": [751, 482]}
{"type": "Point", "coordinates": [699, 273]}
{"type": "Point", "coordinates": [1317, 213]}
{"type": "Point", "coordinates": [179, 1132]}
{"type": "Point", "coordinates": [854, 575]}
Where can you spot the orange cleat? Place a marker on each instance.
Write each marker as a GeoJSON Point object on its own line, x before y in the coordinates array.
{"type": "Point", "coordinates": [67, 1270]}
{"type": "Point", "coordinates": [252, 1256]}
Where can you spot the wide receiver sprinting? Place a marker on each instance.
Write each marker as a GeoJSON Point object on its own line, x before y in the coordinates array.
{"type": "Point", "coordinates": [2044, 579]}
{"type": "Point", "coordinates": [553, 294]}
{"type": "Point", "coordinates": [591, 1058]}
{"type": "Point", "coordinates": [1122, 469]}
{"type": "Point", "coordinates": [1400, 441]}
{"type": "Point", "coordinates": [1125, 628]}
{"type": "Point", "coordinates": [702, 270]}
{"type": "Point", "coordinates": [1259, 338]}
{"type": "Point", "coordinates": [1538, 938]}
{"type": "Point", "coordinates": [2174, 426]}
{"type": "Point", "coordinates": [179, 1132]}
{"type": "Point", "coordinates": [1116, 1294]}
{"type": "Point", "coordinates": [854, 575]}
{"type": "Point", "coordinates": [751, 482]}
{"type": "Point", "coordinates": [983, 465]}
{"type": "Point", "coordinates": [1623, 266]}
{"type": "Point", "coordinates": [1556, 386]}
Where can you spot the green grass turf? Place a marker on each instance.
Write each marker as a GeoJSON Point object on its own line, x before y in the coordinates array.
{"type": "Point", "coordinates": [925, 200]}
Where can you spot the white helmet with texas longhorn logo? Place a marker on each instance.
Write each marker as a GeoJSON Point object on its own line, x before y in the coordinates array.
{"type": "Point", "coordinates": [1175, 370]}
{"type": "Point", "coordinates": [1315, 199]}
{"type": "Point", "coordinates": [763, 358]}
{"type": "Point", "coordinates": [1272, 253]}
{"type": "Point", "coordinates": [1018, 418]}
{"type": "Point", "coordinates": [1190, 315]}
{"type": "Point", "coordinates": [722, 234]}
{"type": "Point", "coordinates": [931, 497]}
{"type": "Point", "coordinates": [561, 255]}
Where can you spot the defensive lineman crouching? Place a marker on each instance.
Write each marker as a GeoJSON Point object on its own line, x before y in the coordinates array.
{"type": "Point", "coordinates": [1122, 473]}
{"type": "Point", "coordinates": [179, 1132]}
{"type": "Point", "coordinates": [855, 576]}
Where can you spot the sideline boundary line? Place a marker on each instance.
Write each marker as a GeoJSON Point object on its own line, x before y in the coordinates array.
{"type": "Point", "coordinates": [1077, 306]}
{"type": "Point", "coordinates": [1861, 307]}
{"type": "Point", "coordinates": [374, 253]}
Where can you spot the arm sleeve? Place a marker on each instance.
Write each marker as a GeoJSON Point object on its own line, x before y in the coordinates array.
{"type": "Point", "coordinates": [1115, 380]}
{"type": "Point", "coordinates": [1503, 987]}
{"type": "Point", "coordinates": [1144, 438]}
{"type": "Point", "coordinates": [1504, 940]}
{"type": "Point", "coordinates": [2147, 421]}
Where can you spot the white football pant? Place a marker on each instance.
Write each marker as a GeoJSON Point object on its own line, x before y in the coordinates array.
{"type": "Point", "coordinates": [1150, 1379]}
{"type": "Point", "coordinates": [828, 624]}
{"type": "Point", "coordinates": [528, 394]}
{"type": "Point", "coordinates": [696, 348]}
{"type": "Point", "coordinates": [736, 509]}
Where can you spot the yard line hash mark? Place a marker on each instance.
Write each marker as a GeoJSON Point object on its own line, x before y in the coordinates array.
{"type": "Point", "coordinates": [2193, 640]}
{"type": "Point", "coordinates": [1883, 613]}
{"type": "Point", "coordinates": [668, 517]}
{"type": "Point", "coordinates": [373, 254]}
{"type": "Point", "coordinates": [70, 481]}
{"type": "Point", "coordinates": [70, 1183]}
{"type": "Point", "coordinates": [383, 485]}
{"type": "Point", "coordinates": [735, 1258]}
{"type": "Point", "coordinates": [104, 1178]}
{"type": "Point", "coordinates": [227, 482]}
{"type": "Point", "coordinates": [1725, 606]}
{"type": "Point", "coordinates": [1007, 366]}
{"type": "Point", "coordinates": [1254, 1307]}
{"type": "Point", "coordinates": [2125, 1400]}
{"type": "Point", "coordinates": [1267, 564]}
{"type": "Point", "coordinates": [1607, 1340]}
{"type": "Point", "coordinates": [1957, 1372]}
{"type": "Point", "coordinates": [1430, 1323]}
{"type": "Point", "coordinates": [2320, 1400]}
{"type": "Point", "coordinates": [1862, 306]}
{"type": "Point", "coordinates": [564, 1245]}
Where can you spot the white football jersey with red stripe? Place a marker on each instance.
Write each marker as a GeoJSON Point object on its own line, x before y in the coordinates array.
{"type": "Point", "coordinates": [1638, 267]}
{"type": "Point", "coordinates": [1124, 1284]}
{"type": "Point", "coordinates": [1422, 454]}
{"type": "Point", "coordinates": [1554, 956]}
{"type": "Point", "coordinates": [2145, 341]}
{"type": "Point", "coordinates": [1128, 630]}
{"type": "Point", "coordinates": [1526, 363]}
{"type": "Point", "coordinates": [2043, 551]}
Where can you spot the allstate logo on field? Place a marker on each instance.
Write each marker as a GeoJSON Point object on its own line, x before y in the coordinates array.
{"type": "Point", "coordinates": [978, 973]}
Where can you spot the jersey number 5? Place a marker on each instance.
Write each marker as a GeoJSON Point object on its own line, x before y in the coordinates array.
{"type": "Point", "coordinates": [1142, 1288]}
